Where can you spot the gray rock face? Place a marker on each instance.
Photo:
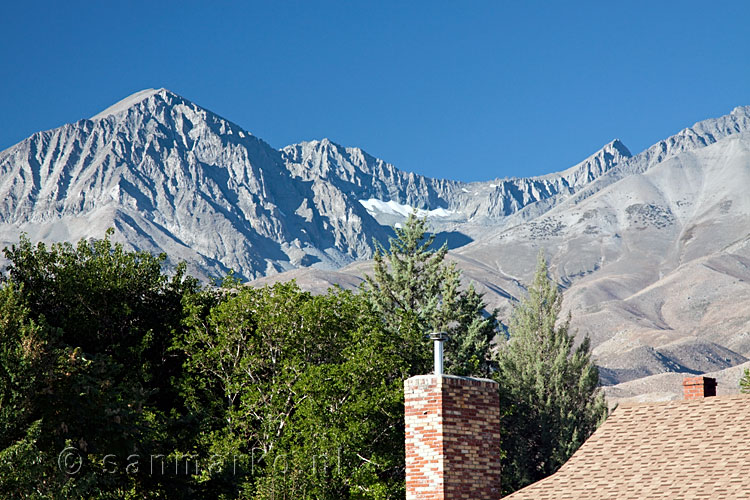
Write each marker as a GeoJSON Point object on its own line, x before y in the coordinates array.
{"type": "Point", "coordinates": [653, 249]}
{"type": "Point", "coordinates": [171, 176]}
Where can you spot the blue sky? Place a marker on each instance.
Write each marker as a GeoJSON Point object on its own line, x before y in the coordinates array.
{"type": "Point", "coordinates": [464, 90]}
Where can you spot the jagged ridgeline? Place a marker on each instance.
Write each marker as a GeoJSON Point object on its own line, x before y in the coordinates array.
{"type": "Point", "coordinates": [171, 176]}
{"type": "Point", "coordinates": [652, 248]}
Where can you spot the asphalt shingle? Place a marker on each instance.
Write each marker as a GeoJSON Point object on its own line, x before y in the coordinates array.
{"type": "Point", "coordinates": [690, 449]}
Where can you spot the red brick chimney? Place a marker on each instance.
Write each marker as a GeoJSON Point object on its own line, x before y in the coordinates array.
{"type": "Point", "coordinates": [452, 438]}
{"type": "Point", "coordinates": [699, 387]}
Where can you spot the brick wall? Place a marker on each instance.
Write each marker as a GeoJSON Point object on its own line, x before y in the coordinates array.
{"type": "Point", "coordinates": [699, 387]}
{"type": "Point", "coordinates": [452, 438]}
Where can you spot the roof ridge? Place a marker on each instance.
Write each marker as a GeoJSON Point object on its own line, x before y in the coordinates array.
{"type": "Point", "coordinates": [640, 404]}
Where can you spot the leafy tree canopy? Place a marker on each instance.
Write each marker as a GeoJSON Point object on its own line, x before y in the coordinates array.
{"type": "Point", "coordinates": [86, 335]}
{"type": "Point", "coordinates": [307, 389]}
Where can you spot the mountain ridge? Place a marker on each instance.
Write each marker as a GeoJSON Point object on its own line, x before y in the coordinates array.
{"type": "Point", "coordinates": [649, 246]}
{"type": "Point", "coordinates": [133, 154]}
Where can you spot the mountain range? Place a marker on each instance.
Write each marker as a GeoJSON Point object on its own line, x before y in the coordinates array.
{"type": "Point", "coordinates": [652, 249]}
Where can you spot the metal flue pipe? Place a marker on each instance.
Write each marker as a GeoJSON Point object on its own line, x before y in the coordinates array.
{"type": "Point", "coordinates": [438, 338]}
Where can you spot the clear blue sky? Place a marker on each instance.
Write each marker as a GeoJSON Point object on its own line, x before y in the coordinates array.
{"type": "Point", "coordinates": [465, 90]}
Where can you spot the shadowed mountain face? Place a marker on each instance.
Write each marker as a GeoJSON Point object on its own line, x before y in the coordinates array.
{"type": "Point", "coordinates": [653, 249]}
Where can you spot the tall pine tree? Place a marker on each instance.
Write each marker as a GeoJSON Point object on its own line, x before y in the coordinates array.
{"type": "Point", "coordinates": [548, 387]}
{"type": "Point", "coordinates": [413, 287]}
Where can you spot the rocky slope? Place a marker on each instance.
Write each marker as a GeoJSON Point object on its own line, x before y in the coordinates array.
{"type": "Point", "coordinates": [653, 248]}
{"type": "Point", "coordinates": [171, 176]}
{"type": "Point", "coordinates": [654, 254]}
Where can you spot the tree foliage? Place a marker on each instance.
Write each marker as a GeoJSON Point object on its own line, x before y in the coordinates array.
{"type": "Point", "coordinates": [86, 333]}
{"type": "Point", "coordinates": [548, 387]}
{"type": "Point", "coordinates": [22, 353]}
{"type": "Point", "coordinates": [306, 389]}
{"type": "Point", "coordinates": [160, 388]}
{"type": "Point", "coordinates": [237, 392]}
{"type": "Point", "coordinates": [412, 282]}
{"type": "Point", "coordinates": [745, 382]}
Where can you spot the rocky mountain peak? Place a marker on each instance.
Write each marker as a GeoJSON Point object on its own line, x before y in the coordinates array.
{"type": "Point", "coordinates": [617, 148]}
{"type": "Point", "coordinates": [168, 165]}
{"type": "Point", "coordinates": [131, 101]}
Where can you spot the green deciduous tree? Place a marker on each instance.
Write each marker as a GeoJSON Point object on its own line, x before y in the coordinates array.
{"type": "Point", "coordinates": [86, 353]}
{"type": "Point", "coordinates": [24, 466]}
{"type": "Point", "coordinates": [413, 282]}
{"type": "Point", "coordinates": [548, 387]}
{"type": "Point", "coordinates": [305, 389]}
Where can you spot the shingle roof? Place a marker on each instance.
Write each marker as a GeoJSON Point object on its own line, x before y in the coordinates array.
{"type": "Point", "coordinates": [697, 449]}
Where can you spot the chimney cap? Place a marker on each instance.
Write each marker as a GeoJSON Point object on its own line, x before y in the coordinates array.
{"type": "Point", "coordinates": [441, 336]}
{"type": "Point", "coordinates": [699, 380]}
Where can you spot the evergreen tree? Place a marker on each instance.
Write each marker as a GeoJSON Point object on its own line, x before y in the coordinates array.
{"type": "Point", "coordinates": [413, 284]}
{"type": "Point", "coordinates": [745, 382]}
{"type": "Point", "coordinates": [548, 387]}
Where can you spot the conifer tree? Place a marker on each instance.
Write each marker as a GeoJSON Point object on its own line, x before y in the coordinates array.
{"type": "Point", "coordinates": [745, 382]}
{"type": "Point", "coordinates": [413, 287]}
{"type": "Point", "coordinates": [548, 387]}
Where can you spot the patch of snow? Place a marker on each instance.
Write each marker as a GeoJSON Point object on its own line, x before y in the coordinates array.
{"type": "Point", "coordinates": [395, 208]}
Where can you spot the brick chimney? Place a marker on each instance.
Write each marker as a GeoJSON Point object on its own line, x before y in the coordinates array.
{"type": "Point", "coordinates": [452, 438]}
{"type": "Point", "coordinates": [699, 387]}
